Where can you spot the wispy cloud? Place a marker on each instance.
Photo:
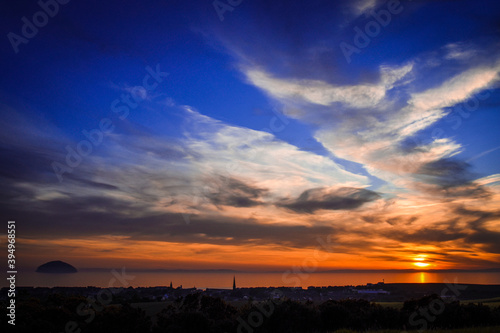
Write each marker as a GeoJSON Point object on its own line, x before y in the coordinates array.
{"type": "Point", "coordinates": [322, 93]}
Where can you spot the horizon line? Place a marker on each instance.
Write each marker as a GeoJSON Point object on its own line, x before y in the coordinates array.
{"type": "Point", "coordinates": [408, 270]}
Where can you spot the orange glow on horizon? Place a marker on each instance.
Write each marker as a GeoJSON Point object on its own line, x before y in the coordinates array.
{"type": "Point", "coordinates": [109, 251]}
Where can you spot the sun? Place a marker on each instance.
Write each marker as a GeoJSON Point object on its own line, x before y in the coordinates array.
{"type": "Point", "coordinates": [420, 261]}
{"type": "Point", "coordinates": [421, 264]}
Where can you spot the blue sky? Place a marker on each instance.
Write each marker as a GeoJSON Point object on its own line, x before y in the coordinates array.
{"type": "Point", "coordinates": [375, 122]}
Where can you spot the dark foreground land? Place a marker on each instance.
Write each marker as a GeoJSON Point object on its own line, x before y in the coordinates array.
{"type": "Point", "coordinates": [449, 308]}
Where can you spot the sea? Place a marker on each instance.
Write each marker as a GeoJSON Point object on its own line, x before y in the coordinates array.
{"type": "Point", "coordinates": [121, 277]}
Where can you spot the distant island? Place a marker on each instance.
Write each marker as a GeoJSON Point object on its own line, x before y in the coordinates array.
{"type": "Point", "coordinates": [56, 267]}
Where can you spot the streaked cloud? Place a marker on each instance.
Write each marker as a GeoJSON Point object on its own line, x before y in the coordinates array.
{"type": "Point", "coordinates": [343, 198]}
{"type": "Point", "coordinates": [322, 93]}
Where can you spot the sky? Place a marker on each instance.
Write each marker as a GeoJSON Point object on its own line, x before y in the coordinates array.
{"type": "Point", "coordinates": [252, 135]}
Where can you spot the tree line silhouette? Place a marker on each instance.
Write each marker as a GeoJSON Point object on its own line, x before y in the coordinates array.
{"type": "Point", "coordinates": [201, 313]}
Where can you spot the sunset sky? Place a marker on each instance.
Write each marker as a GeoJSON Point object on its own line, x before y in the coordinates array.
{"type": "Point", "coordinates": [205, 135]}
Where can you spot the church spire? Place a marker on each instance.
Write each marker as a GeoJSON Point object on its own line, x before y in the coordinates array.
{"type": "Point", "coordinates": [234, 282]}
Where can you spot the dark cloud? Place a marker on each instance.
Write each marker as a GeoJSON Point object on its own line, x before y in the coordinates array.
{"type": "Point", "coordinates": [428, 235]}
{"type": "Point", "coordinates": [489, 239]}
{"type": "Point", "coordinates": [233, 192]}
{"type": "Point", "coordinates": [451, 178]}
{"type": "Point", "coordinates": [92, 184]}
{"type": "Point", "coordinates": [388, 258]}
{"type": "Point", "coordinates": [480, 235]}
{"type": "Point", "coordinates": [372, 219]}
{"type": "Point", "coordinates": [401, 220]}
{"type": "Point", "coordinates": [322, 198]}
{"type": "Point", "coordinates": [445, 255]}
{"type": "Point", "coordinates": [481, 216]}
{"type": "Point", "coordinates": [470, 233]}
{"type": "Point", "coordinates": [97, 216]}
{"type": "Point", "coordinates": [446, 172]}
{"type": "Point", "coordinates": [236, 231]}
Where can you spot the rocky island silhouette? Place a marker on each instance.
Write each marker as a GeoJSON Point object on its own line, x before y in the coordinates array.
{"type": "Point", "coordinates": [56, 267]}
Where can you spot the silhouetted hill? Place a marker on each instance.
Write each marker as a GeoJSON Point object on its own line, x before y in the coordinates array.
{"type": "Point", "coordinates": [57, 267]}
